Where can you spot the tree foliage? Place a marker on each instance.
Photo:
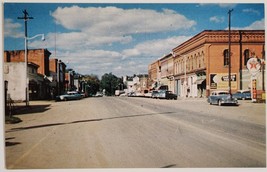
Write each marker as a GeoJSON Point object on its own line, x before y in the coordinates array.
{"type": "Point", "coordinates": [109, 83]}
{"type": "Point", "coordinates": [93, 84]}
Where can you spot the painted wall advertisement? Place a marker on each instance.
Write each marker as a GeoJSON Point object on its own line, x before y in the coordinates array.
{"type": "Point", "coordinates": [220, 81]}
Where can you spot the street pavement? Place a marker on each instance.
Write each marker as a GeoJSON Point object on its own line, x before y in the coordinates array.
{"type": "Point", "coordinates": [130, 132]}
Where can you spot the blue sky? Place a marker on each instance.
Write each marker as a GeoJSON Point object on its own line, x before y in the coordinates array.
{"type": "Point", "coordinates": [98, 38]}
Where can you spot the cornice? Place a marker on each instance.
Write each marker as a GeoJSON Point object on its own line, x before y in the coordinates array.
{"type": "Point", "coordinates": [221, 36]}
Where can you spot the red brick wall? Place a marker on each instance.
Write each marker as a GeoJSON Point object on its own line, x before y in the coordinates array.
{"type": "Point", "coordinates": [37, 56]}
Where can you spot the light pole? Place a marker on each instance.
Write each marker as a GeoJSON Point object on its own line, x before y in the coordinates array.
{"type": "Point", "coordinates": [26, 66]}
{"type": "Point", "coordinates": [229, 52]}
{"type": "Point", "coordinates": [26, 18]}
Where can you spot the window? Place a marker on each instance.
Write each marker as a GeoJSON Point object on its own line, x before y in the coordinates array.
{"type": "Point", "coordinates": [225, 57]}
{"type": "Point", "coordinates": [246, 56]}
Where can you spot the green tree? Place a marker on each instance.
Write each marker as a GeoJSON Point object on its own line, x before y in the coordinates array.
{"type": "Point", "coordinates": [92, 84]}
{"type": "Point", "coordinates": [110, 83]}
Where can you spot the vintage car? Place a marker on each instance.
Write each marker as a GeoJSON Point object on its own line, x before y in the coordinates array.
{"type": "Point", "coordinates": [222, 98]}
{"type": "Point", "coordinates": [242, 95]}
{"type": "Point", "coordinates": [71, 95]}
{"type": "Point", "coordinates": [164, 94]}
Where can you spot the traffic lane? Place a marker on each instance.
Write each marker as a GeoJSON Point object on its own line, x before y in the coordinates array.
{"type": "Point", "coordinates": [200, 141]}
{"type": "Point", "coordinates": [119, 133]}
{"type": "Point", "coordinates": [247, 137]}
{"type": "Point", "coordinates": [229, 119]}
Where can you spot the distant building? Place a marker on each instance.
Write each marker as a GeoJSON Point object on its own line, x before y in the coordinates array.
{"type": "Point", "coordinates": [136, 83]}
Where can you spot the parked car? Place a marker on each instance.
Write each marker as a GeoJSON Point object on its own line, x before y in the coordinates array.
{"type": "Point", "coordinates": [221, 98]}
{"type": "Point", "coordinates": [154, 94]}
{"type": "Point", "coordinates": [98, 94]}
{"type": "Point", "coordinates": [148, 94]}
{"type": "Point", "coordinates": [242, 95]}
{"type": "Point", "coordinates": [164, 94]}
{"type": "Point", "coordinates": [70, 95]}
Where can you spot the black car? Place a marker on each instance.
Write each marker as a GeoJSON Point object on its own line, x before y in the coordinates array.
{"type": "Point", "coordinates": [164, 94]}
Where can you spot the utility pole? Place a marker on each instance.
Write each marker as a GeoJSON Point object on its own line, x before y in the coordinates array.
{"type": "Point", "coordinates": [26, 18]}
{"type": "Point", "coordinates": [229, 51]}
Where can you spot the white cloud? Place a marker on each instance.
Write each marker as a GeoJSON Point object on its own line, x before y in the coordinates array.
{"type": "Point", "coordinates": [86, 46]}
{"type": "Point", "coordinates": [217, 19]}
{"type": "Point", "coordinates": [12, 29]}
{"type": "Point", "coordinates": [118, 22]}
{"type": "Point", "coordinates": [222, 5]}
{"type": "Point", "coordinates": [257, 25]}
{"type": "Point", "coordinates": [121, 62]}
{"type": "Point", "coordinates": [227, 5]}
{"type": "Point", "coordinates": [155, 48]}
{"type": "Point", "coordinates": [250, 10]}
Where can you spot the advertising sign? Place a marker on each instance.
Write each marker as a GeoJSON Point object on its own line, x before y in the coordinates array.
{"type": "Point", "coordinates": [254, 89]}
{"type": "Point", "coordinates": [253, 66]}
{"type": "Point", "coordinates": [220, 81]}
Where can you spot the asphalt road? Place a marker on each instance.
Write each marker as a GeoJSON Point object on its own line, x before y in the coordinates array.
{"type": "Point", "coordinates": [122, 132]}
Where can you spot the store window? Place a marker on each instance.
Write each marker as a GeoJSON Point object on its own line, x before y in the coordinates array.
{"type": "Point", "coordinates": [225, 57]}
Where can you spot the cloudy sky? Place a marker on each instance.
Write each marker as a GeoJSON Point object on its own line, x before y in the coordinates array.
{"type": "Point", "coordinates": [122, 38]}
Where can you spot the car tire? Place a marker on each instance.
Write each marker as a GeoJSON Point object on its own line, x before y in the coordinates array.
{"type": "Point", "coordinates": [65, 99]}
{"type": "Point", "coordinates": [220, 103]}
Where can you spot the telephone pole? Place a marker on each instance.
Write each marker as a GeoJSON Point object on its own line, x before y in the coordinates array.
{"type": "Point", "coordinates": [26, 18]}
{"type": "Point", "coordinates": [229, 51]}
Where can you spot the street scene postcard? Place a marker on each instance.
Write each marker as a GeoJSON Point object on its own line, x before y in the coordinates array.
{"type": "Point", "coordinates": [133, 85]}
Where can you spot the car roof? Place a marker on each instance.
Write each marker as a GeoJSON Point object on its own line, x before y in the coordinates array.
{"type": "Point", "coordinates": [220, 91]}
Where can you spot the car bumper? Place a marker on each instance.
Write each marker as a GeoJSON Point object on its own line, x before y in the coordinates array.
{"type": "Point", "coordinates": [229, 101]}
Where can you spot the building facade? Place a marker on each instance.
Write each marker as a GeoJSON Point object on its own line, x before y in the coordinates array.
{"type": "Point", "coordinates": [153, 75]}
{"type": "Point", "coordinates": [49, 71]}
{"type": "Point", "coordinates": [36, 56]}
{"type": "Point", "coordinates": [37, 84]}
{"type": "Point", "coordinates": [201, 64]}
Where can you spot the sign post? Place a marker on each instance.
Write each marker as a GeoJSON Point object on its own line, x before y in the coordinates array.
{"type": "Point", "coordinates": [253, 66]}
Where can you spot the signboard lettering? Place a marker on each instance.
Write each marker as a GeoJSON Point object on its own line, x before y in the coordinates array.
{"type": "Point", "coordinates": [221, 80]}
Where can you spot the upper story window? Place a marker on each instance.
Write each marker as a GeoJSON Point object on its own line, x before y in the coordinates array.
{"type": "Point", "coordinates": [246, 56]}
{"type": "Point", "coordinates": [226, 57]}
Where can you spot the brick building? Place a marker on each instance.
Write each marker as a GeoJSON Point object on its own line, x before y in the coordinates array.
{"type": "Point", "coordinates": [201, 64]}
{"type": "Point", "coordinates": [36, 56]}
{"type": "Point", "coordinates": [153, 75]}
{"type": "Point", "coordinates": [57, 70]}
{"type": "Point", "coordinates": [38, 70]}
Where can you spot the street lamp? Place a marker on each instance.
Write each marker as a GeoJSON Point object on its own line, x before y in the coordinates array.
{"type": "Point", "coordinates": [26, 66]}
{"type": "Point", "coordinates": [26, 17]}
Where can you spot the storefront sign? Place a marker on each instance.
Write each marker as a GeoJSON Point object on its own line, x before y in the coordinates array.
{"type": "Point", "coordinates": [254, 89]}
{"type": "Point", "coordinates": [221, 81]}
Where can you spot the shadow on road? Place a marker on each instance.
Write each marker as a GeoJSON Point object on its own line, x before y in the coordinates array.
{"type": "Point", "coordinates": [83, 121]}
{"type": "Point", "coordinates": [20, 110]}
{"type": "Point", "coordinates": [169, 166]}
{"type": "Point", "coordinates": [8, 143]}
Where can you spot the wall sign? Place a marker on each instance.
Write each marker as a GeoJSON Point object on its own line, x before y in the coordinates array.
{"type": "Point", "coordinates": [253, 66]}
{"type": "Point", "coordinates": [220, 81]}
